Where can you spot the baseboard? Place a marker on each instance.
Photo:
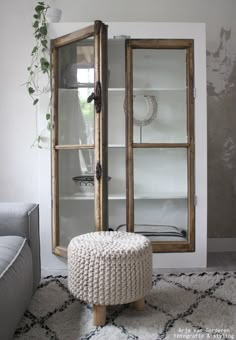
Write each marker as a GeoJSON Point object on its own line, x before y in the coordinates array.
{"type": "Point", "coordinates": [49, 271]}
{"type": "Point", "coordinates": [221, 245]}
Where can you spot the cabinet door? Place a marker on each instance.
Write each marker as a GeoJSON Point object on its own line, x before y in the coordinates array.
{"type": "Point", "coordinates": [79, 134]}
{"type": "Point", "coordinates": [160, 142]}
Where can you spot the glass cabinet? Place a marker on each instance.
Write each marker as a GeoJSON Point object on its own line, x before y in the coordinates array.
{"type": "Point", "coordinates": [123, 138]}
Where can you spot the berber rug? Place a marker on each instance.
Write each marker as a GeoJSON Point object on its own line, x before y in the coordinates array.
{"type": "Point", "coordinates": [180, 306]}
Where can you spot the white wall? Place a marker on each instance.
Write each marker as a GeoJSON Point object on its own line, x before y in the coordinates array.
{"type": "Point", "coordinates": [18, 161]}
{"type": "Point", "coordinates": [19, 167]}
{"type": "Point", "coordinates": [212, 11]}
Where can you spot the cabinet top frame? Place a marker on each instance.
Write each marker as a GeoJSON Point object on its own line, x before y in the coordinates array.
{"type": "Point", "coordinates": [160, 43]}
{"type": "Point", "coordinates": [71, 37]}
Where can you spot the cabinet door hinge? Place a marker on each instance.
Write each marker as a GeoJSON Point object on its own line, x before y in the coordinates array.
{"type": "Point", "coordinates": [195, 200]}
{"type": "Point", "coordinates": [98, 170]}
{"type": "Point", "coordinates": [194, 92]}
{"type": "Point", "coordinates": [97, 97]}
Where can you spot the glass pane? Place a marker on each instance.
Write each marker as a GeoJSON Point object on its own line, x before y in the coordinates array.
{"type": "Point", "coordinates": [159, 102]}
{"type": "Point", "coordinates": [160, 193]}
{"type": "Point", "coordinates": [76, 193]}
{"type": "Point", "coordinates": [117, 186]}
{"type": "Point", "coordinates": [116, 64]}
{"type": "Point", "coordinates": [76, 82]}
{"type": "Point", "coordinates": [116, 133]}
{"type": "Point", "coordinates": [116, 91]}
{"type": "Point", "coordinates": [76, 218]}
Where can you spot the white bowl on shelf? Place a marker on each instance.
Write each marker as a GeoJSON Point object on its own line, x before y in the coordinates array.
{"type": "Point", "coordinates": [85, 183]}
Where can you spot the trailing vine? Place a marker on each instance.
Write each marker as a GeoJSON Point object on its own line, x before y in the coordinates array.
{"type": "Point", "coordinates": [39, 75]}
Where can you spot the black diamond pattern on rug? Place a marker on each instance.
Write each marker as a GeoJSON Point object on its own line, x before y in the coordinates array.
{"type": "Point", "coordinates": [180, 306]}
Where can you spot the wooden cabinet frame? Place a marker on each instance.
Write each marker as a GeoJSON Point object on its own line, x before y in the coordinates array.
{"type": "Point", "coordinates": [99, 32]}
{"type": "Point", "coordinates": [100, 146]}
{"type": "Point", "coordinates": [131, 44]}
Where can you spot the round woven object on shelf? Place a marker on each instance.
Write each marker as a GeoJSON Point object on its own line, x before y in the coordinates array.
{"type": "Point", "coordinates": [109, 267]}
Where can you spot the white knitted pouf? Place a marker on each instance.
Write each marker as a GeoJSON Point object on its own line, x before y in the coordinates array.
{"type": "Point", "coordinates": [109, 267]}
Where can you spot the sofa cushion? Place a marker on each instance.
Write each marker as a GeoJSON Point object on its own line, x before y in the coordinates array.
{"type": "Point", "coordinates": [22, 219]}
{"type": "Point", "coordinates": [16, 282]}
{"type": "Point", "coordinates": [10, 246]}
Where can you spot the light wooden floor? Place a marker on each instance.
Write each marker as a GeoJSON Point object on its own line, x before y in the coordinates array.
{"type": "Point", "coordinates": [222, 261]}
{"type": "Point", "coordinates": [216, 262]}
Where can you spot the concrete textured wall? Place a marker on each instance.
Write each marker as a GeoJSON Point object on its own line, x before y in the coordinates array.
{"type": "Point", "coordinates": [221, 66]}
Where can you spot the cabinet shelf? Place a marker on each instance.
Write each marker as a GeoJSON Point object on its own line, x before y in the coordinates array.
{"type": "Point", "coordinates": [139, 89]}
{"type": "Point", "coordinates": [122, 89]}
{"type": "Point", "coordinates": [116, 145]}
{"type": "Point", "coordinates": [161, 196]}
{"type": "Point", "coordinates": [78, 86]}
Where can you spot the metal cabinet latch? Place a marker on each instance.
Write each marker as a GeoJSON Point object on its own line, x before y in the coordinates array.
{"type": "Point", "coordinates": [98, 170]}
{"type": "Point", "coordinates": [97, 97]}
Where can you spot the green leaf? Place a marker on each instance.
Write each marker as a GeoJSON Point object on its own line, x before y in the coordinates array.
{"type": "Point", "coordinates": [48, 116]}
{"type": "Point", "coordinates": [41, 3]}
{"type": "Point", "coordinates": [36, 16]}
{"type": "Point", "coordinates": [43, 60]}
{"type": "Point", "coordinates": [43, 30]}
{"type": "Point", "coordinates": [29, 68]}
{"type": "Point", "coordinates": [35, 101]}
{"type": "Point", "coordinates": [44, 65]}
{"type": "Point", "coordinates": [36, 24]}
{"type": "Point", "coordinates": [49, 126]}
{"type": "Point", "coordinates": [34, 50]}
{"type": "Point", "coordinates": [39, 8]}
{"type": "Point", "coordinates": [45, 70]}
{"type": "Point", "coordinates": [44, 43]}
{"type": "Point", "coordinates": [37, 36]}
{"type": "Point", "coordinates": [31, 90]}
{"type": "Point", "coordinates": [31, 73]}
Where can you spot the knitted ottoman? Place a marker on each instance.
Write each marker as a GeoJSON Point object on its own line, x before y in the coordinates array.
{"type": "Point", "coordinates": [110, 268]}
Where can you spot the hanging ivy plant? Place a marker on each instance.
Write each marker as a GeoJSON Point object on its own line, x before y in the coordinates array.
{"type": "Point", "coordinates": [39, 68]}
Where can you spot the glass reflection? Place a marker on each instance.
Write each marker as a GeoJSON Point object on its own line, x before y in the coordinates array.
{"type": "Point", "coordinates": [76, 82]}
{"type": "Point", "coordinates": [159, 96]}
{"type": "Point", "coordinates": [160, 193]}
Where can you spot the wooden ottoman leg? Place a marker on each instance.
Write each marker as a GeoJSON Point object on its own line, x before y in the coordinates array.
{"type": "Point", "coordinates": [139, 304]}
{"type": "Point", "coordinates": [99, 315]}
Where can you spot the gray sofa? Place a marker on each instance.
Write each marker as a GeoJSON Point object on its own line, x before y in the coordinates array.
{"type": "Point", "coordinates": [19, 262]}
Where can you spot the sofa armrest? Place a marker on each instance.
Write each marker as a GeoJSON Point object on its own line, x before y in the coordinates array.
{"type": "Point", "coordinates": [22, 219]}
